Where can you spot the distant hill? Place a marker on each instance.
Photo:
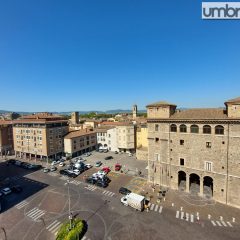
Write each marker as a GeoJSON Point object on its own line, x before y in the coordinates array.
{"type": "Point", "coordinates": [116, 111]}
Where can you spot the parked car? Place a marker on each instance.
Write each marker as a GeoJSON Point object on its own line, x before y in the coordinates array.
{"type": "Point", "coordinates": [98, 164]}
{"type": "Point", "coordinates": [101, 183]}
{"type": "Point", "coordinates": [25, 165]}
{"type": "Point", "coordinates": [105, 150]}
{"type": "Point", "coordinates": [88, 165]}
{"type": "Point", "coordinates": [6, 191]}
{"type": "Point", "coordinates": [100, 150]}
{"type": "Point", "coordinates": [116, 152]}
{"type": "Point", "coordinates": [61, 164]}
{"type": "Point", "coordinates": [130, 154]}
{"type": "Point", "coordinates": [11, 161]}
{"type": "Point", "coordinates": [18, 163]}
{"type": "Point", "coordinates": [54, 163]}
{"type": "Point", "coordinates": [124, 191]}
{"type": "Point", "coordinates": [53, 168]}
{"type": "Point", "coordinates": [118, 167]}
{"type": "Point", "coordinates": [87, 154]}
{"type": "Point", "coordinates": [106, 169]}
{"type": "Point", "coordinates": [108, 158]}
{"type": "Point", "coordinates": [90, 180]}
{"type": "Point", "coordinates": [63, 172]}
{"type": "Point", "coordinates": [16, 189]}
{"type": "Point", "coordinates": [36, 167]}
{"type": "Point", "coordinates": [46, 170]}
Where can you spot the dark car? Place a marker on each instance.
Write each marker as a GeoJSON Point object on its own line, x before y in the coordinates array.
{"type": "Point", "coordinates": [124, 191]}
{"type": "Point", "coordinates": [25, 165]}
{"type": "Point", "coordinates": [63, 172]}
{"type": "Point", "coordinates": [90, 180]}
{"type": "Point", "coordinates": [36, 167]}
{"type": "Point", "coordinates": [11, 161]}
{"type": "Point", "coordinates": [101, 183]}
{"type": "Point", "coordinates": [108, 158]}
{"type": "Point", "coordinates": [16, 189]}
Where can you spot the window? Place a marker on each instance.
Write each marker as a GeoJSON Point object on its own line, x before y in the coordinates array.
{"type": "Point", "coordinates": [206, 129]}
{"type": "Point", "coordinates": [157, 157]}
{"type": "Point", "coordinates": [194, 129]}
{"type": "Point", "coordinates": [208, 166]}
{"type": "Point", "coordinates": [219, 130]}
{"type": "Point", "coordinates": [173, 128]}
{"type": "Point", "coordinates": [182, 161]}
{"type": "Point", "coordinates": [208, 144]}
{"type": "Point", "coordinates": [181, 142]}
{"type": "Point", "coordinates": [156, 139]}
{"type": "Point", "coordinates": [183, 128]}
{"type": "Point", "coordinates": [156, 127]}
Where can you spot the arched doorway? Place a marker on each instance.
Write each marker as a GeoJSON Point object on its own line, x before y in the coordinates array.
{"type": "Point", "coordinates": [181, 180]}
{"type": "Point", "coordinates": [194, 183]}
{"type": "Point", "coordinates": [208, 186]}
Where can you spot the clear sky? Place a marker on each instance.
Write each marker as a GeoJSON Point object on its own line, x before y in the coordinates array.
{"type": "Point", "coordinates": [109, 54]}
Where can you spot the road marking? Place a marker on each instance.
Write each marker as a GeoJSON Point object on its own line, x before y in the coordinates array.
{"type": "Point", "coordinates": [152, 207]}
{"type": "Point", "coordinates": [53, 174]}
{"type": "Point", "coordinates": [51, 224]}
{"type": "Point", "coordinates": [90, 188]}
{"type": "Point", "coordinates": [160, 210]}
{"type": "Point", "coordinates": [108, 193]}
{"type": "Point", "coordinates": [224, 224]}
{"type": "Point", "coordinates": [85, 238]}
{"type": "Point", "coordinates": [55, 227]}
{"type": "Point", "coordinates": [218, 223]}
{"type": "Point", "coordinates": [75, 182]}
{"type": "Point", "coordinates": [182, 215]}
{"type": "Point", "coordinates": [213, 223]}
{"type": "Point", "coordinates": [35, 213]}
{"type": "Point", "coordinates": [230, 225]}
{"type": "Point", "coordinates": [192, 218]}
{"type": "Point", "coordinates": [187, 217]}
{"type": "Point", "coordinates": [177, 214]}
{"type": "Point", "coordinates": [156, 208]}
{"type": "Point", "coordinates": [21, 204]}
{"type": "Point", "coordinates": [64, 177]}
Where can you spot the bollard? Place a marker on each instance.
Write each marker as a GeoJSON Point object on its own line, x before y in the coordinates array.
{"type": "Point", "coordinates": [172, 204]}
{"type": "Point", "coordinates": [221, 218]}
{"type": "Point", "coordinates": [164, 199]}
{"type": "Point", "coordinates": [197, 214]}
{"type": "Point", "coordinates": [233, 219]}
{"type": "Point", "coordinates": [209, 216]}
{"type": "Point", "coordinates": [181, 209]}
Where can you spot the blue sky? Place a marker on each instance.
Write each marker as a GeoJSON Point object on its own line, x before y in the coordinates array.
{"type": "Point", "coordinates": [100, 55]}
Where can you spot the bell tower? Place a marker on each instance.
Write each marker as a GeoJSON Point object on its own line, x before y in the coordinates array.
{"type": "Point", "coordinates": [134, 111]}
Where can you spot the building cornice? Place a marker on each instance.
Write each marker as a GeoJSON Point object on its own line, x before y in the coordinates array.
{"type": "Point", "coordinates": [209, 121]}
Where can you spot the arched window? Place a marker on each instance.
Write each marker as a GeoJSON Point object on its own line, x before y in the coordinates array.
{"type": "Point", "coordinates": [183, 128]}
{"type": "Point", "coordinates": [156, 127]}
{"type": "Point", "coordinates": [173, 128]}
{"type": "Point", "coordinates": [219, 130]}
{"type": "Point", "coordinates": [194, 129]}
{"type": "Point", "coordinates": [207, 129]}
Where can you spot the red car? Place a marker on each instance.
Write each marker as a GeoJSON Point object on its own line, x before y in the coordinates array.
{"type": "Point", "coordinates": [118, 167]}
{"type": "Point", "coordinates": [106, 169]}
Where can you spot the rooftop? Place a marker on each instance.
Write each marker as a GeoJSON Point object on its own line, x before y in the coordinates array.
{"type": "Point", "coordinates": [234, 100]}
{"type": "Point", "coordinates": [160, 103]}
{"type": "Point", "coordinates": [79, 133]}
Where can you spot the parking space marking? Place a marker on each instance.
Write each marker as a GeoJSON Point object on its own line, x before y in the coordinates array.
{"type": "Point", "coordinates": [53, 174]}
{"type": "Point", "coordinates": [219, 224]}
{"type": "Point", "coordinates": [187, 217]}
{"type": "Point", "coordinates": [156, 208]}
{"type": "Point", "coordinates": [192, 218]}
{"type": "Point", "coordinates": [35, 213]}
{"type": "Point", "coordinates": [108, 193]}
{"type": "Point", "coordinates": [182, 215]}
{"type": "Point", "coordinates": [64, 177]}
{"type": "Point", "coordinates": [75, 182]}
{"type": "Point", "coordinates": [91, 188]}
{"type": "Point", "coordinates": [21, 204]}
{"type": "Point", "coordinates": [152, 207]}
{"type": "Point", "coordinates": [177, 214]}
{"type": "Point", "coordinates": [230, 225]}
{"type": "Point", "coordinates": [224, 224]}
{"type": "Point", "coordinates": [213, 223]}
{"type": "Point", "coordinates": [160, 210]}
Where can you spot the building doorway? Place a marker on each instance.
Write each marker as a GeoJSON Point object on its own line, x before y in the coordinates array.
{"type": "Point", "coordinates": [208, 187]}
{"type": "Point", "coordinates": [182, 181]}
{"type": "Point", "coordinates": [194, 184]}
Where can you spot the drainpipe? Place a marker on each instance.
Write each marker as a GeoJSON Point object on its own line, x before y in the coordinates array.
{"type": "Point", "coordinates": [227, 165]}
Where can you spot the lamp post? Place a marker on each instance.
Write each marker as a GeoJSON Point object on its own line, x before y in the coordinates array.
{"type": "Point", "coordinates": [69, 206]}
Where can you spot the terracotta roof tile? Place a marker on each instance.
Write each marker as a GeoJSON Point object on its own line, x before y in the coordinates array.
{"type": "Point", "coordinates": [78, 133]}
{"type": "Point", "coordinates": [161, 103]}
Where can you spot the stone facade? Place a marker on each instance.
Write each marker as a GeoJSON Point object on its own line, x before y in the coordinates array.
{"type": "Point", "coordinates": [196, 146]}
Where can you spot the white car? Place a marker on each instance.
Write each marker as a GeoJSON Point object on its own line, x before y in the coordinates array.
{"type": "Point", "coordinates": [61, 164]}
{"type": "Point", "coordinates": [88, 165]}
{"type": "Point", "coordinates": [124, 201]}
{"type": "Point", "coordinates": [6, 191]}
{"type": "Point", "coordinates": [54, 163]}
{"type": "Point", "coordinates": [101, 173]}
{"type": "Point", "coordinates": [76, 171]}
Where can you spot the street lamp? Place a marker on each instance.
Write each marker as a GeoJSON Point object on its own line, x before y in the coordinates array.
{"type": "Point", "coordinates": [69, 206]}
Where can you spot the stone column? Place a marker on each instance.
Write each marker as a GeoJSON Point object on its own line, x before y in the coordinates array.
{"type": "Point", "coordinates": [187, 183]}
{"type": "Point", "coordinates": [201, 187]}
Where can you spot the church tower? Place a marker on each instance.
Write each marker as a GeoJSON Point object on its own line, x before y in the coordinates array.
{"type": "Point", "coordinates": [134, 111]}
